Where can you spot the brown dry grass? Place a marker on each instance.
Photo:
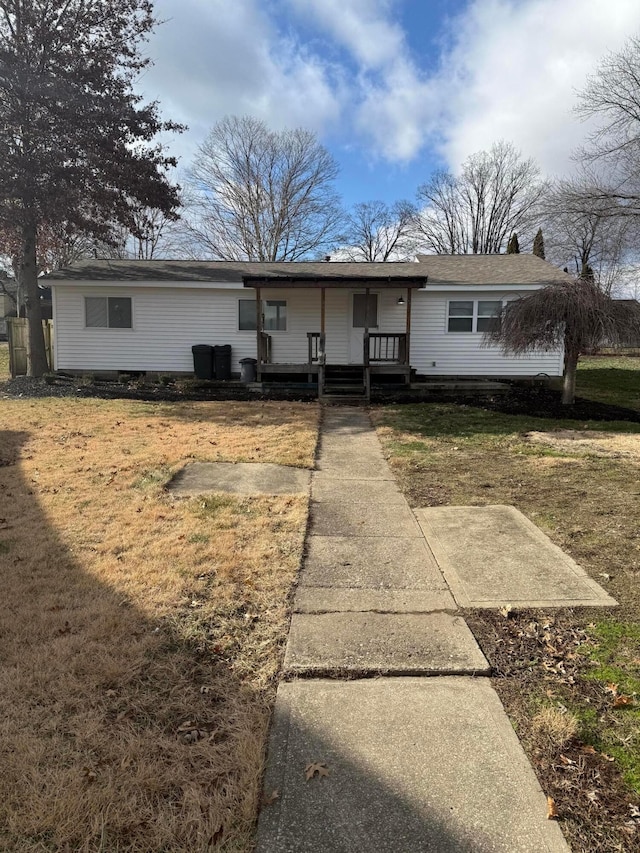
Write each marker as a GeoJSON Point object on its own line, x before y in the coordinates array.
{"type": "Point", "coordinates": [140, 634]}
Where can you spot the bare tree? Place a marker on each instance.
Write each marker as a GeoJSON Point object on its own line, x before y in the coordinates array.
{"type": "Point", "coordinates": [585, 233]}
{"type": "Point", "coordinates": [573, 314]}
{"type": "Point", "coordinates": [150, 234]}
{"type": "Point", "coordinates": [263, 195]}
{"type": "Point", "coordinates": [475, 212]}
{"type": "Point", "coordinates": [379, 232]}
{"type": "Point", "coordinates": [611, 99]}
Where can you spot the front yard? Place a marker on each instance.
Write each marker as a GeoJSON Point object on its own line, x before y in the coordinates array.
{"type": "Point", "coordinates": [570, 681]}
{"type": "Point", "coordinates": [140, 635]}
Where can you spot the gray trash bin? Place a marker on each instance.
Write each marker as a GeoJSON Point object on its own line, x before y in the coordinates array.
{"type": "Point", "coordinates": [248, 369]}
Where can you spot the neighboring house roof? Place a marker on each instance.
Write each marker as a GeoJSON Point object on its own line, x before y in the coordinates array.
{"type": "Point", "coordinates": [478, 270]}
{"type": "Point", "coordinates": [490, 269]}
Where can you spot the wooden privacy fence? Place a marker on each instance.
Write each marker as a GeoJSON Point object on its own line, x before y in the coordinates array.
{"type": "Point", "coordinates": [18, 336]}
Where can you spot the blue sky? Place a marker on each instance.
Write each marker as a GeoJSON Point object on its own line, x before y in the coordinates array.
{"type": "Point", "coordinates": [394, 88]}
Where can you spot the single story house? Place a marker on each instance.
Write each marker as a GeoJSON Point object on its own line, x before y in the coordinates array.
{"type": "Point", "coordinates": [304, 321]}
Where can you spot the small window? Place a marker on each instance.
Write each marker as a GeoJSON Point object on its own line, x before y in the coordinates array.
{"type": "Point", "coordinates": [461, 316]}
{"type": "Point", "coordinates": [274, 315]}
{"type": "Point", "coordinates": [247, 315]}
{"type": "Point", "coordinates": [487, 310]}
{"type": "Point", "coordinates": [360, 307]}
{"type": "Point", "coordinates": [108, 312]}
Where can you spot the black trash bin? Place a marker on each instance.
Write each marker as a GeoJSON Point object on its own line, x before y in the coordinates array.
{"type": "Point", "coordinates": [203, 361]}
{"type": "Point", "coordinates": [222, 361]}
{"type": "Point", "coordinates": [248, 369]}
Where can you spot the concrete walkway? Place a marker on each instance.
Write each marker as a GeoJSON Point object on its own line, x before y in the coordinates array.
{"type": "Point", "coordinates": [412, 764]}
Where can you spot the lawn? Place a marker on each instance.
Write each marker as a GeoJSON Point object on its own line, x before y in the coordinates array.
{"type": "Point", "coordinates": [570, 680]}
{"type": "Point", "coordinates": [140, 634]}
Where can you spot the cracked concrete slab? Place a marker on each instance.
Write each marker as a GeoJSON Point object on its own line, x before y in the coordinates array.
{"type": "Point", "coordinates": [414, 764]}
{"type": "Point", "coordinates": [371, 493]}
{"type": "Point", "coordinates": [494, 556]}
{"type": "Point", "coordinates": [335, 518]}
{"type": "Point", "coordinates": [240, 478]}
{"type": "Point", "coordinates": [383, 562]}
{"type": "Point", "coordinates": [314, 599]}
{"type": "Point", "coordinates": [391, 643]}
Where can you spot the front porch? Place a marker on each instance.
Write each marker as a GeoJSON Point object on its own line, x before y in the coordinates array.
{"type": "Point", "coordinates": [356, 342]}
{"type": "Point", "coordinates": [383, 354]}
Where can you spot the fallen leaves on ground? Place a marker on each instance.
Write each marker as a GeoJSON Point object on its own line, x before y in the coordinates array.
{"type": "Point", "coordinates": [314, 767]}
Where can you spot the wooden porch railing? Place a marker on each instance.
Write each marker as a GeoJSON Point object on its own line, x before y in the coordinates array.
{"type": "Point", "coordinates": [387, 348]}
{"type": "Point", "coordinates": [264, 353]}
{"type": "Point", "coordinates": [316, 341]}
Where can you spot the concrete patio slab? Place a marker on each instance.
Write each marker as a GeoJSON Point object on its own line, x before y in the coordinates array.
{"type": "Point", "coordinates": [348, 464]}
{"type": "Point", "coordinates": [414, 765]}
{"type": "Point", "coordinates": [315, 599]}
{"type": "Point", "coordinates": [494, 556]}
{"type": "Point", "coordinates": [370, 493]}
{"type": "Point", "coordinates": [374, 562]}
{"type": "Point", "coordinates": [393, 643]}
{"type": "Point", "coordinates": [346, 420]}
{"type": "Point", "coordinates": [335, 518]}
{"type": "Point", "coordinates": [241, 478]}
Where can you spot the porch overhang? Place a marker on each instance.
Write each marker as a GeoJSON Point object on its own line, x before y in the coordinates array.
{"type": "Point", "coordinates": [336, 282]}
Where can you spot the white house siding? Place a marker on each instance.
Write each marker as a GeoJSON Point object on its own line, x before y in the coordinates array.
{"type": "Point", "coordinates": [169, 319]}
{"type": "Point", "coordinates": [437, 352]}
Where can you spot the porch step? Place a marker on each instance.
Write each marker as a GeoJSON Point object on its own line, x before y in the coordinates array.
{"type": "Point", "coordinates": [343, 400]}
{"type": "Point", "coordinates": [344, 387]}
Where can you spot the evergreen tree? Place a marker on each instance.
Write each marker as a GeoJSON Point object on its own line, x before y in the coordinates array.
{"type": "Point", "coordinates": [538, 244]}
{"type": "Point", "coordinates": [76, 142]}
{"type": "Point", "coordinates": [513, 247]}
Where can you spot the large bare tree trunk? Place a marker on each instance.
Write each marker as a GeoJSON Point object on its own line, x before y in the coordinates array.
{"type": "Point", "coordinates": [569, 384]}
{"type": "Point", "coordinates": [37, 355]}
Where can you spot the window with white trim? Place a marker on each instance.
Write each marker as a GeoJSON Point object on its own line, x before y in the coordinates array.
{"type": "Point", "coordinates": [108, 312]}
{"type": "Point", "coordinates": [472, 315]}
{"type": "Point", "coordinates": [274, 315]}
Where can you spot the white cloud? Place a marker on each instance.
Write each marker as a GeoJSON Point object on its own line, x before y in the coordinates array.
{"type": "Point", "coordinates": [394, 103]}
{"type": "Point", "coordinates": [515, 69]}
{"type": "Point", "coordinates": [509, 69]}
{"type": "Point", "coordinates": [214, 58]}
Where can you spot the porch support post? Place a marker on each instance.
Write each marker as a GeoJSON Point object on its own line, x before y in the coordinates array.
{"type": "Point", "coordinates": [366, 350]}
{"type": "Point", "coordinates": [407, 355]}
{"type": "Point", "coordinates": [259, 334]}
{"type": "Point", "coordinates": [323, 308]}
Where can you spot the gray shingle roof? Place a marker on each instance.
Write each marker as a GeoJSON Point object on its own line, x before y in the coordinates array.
{"type": "Point", "coordinates": [440, 269]}
{"type": "Point", "coordinates": [228, 271]}
{"type": "Point", "coordinates": [490, 269]}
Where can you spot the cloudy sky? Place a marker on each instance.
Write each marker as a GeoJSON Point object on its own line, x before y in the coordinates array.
{"type": "Point", "coordinates": [394, 88]}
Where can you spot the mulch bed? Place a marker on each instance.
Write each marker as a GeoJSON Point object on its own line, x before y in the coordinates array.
{"type": "Point", "coordinates": [535, 656]}
{"type": "Point", "coordinates": [544, 403]}
{"type": "Point", "coordinates": [517, 400]}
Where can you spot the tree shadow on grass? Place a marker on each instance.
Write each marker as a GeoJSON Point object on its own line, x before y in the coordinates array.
{"type": "Point", "coordinates": [116, 731]}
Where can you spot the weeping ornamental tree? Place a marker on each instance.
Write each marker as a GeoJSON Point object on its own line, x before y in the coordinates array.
{"type": "Point", "coordinates": [573, 314]}
{"type": "Point", "coordinates": [76, 142]}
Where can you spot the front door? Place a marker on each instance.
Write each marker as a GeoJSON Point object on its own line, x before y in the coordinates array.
{"type": "Point", "coordinates": [361, 311]}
